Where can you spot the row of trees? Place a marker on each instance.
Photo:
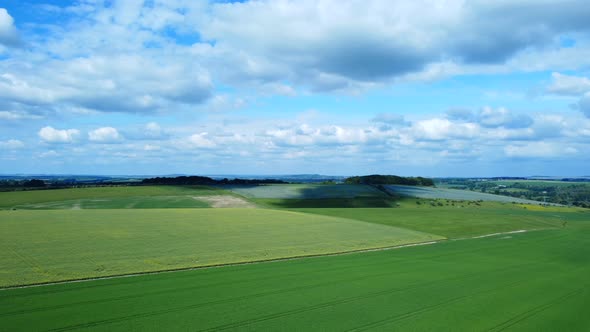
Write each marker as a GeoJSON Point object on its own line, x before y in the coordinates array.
{"type": "Point", "coordinates": [206, 181]}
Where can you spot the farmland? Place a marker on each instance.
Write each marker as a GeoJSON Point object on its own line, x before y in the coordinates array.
{"type": "Point", "coordinates": [298, 265]}
{"type": "Point", "coordinates": [555, 191]}
{"type": "Point", "coordinates": [307, 191]}
{"type": "Point", "coordinates": [453, 221]}
{"type": "Point", "coordinates": [43, 246]}
{"type": "Point", "coordinates": [453, 194]}
{"type": "Point", "coordinates": [109, 197]}
{"type": "Point", "coordinates": [522, 282]}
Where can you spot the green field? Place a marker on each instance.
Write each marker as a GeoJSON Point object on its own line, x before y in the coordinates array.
{"type": "Point", "coordinates": [535, 281]}
{"type": "Point", "coordinates": [455, 221]}
{"type": "Point", "coordinates": [453, 194]}
{"type": "Point", "coordinates": [109, 197]}
{"type": "Point", "coordinates": [307, 191]}
{"type": "Point", "coordinates": [53, 245]}
{"type": "Point", "coordinates": [525, 281]}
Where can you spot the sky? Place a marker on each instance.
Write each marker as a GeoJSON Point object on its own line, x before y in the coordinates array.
{"type": "Point", "coordinates": [429, 88]}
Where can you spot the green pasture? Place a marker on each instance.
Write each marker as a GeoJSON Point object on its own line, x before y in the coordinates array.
{"type": "Point", "coordinates": [452, 194]}
{"type": "Point", "coordinates": [456, 220]}
{"type": "Point", "coordinates": [139, 202]}
{"type": "Point", "coordinates": [51, 245]}
{"type": "Point", "coordinates": [358, 202]}
{"type": "Point", "coordinates": [108, 197]}
{"type": "Point", "coordinates": [307, 191]}
{"type": "Point", "coordinates": [535, 281]}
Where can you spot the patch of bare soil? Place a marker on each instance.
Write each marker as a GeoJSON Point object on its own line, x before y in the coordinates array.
{"type": "Point", "coordinates": [225, 201]}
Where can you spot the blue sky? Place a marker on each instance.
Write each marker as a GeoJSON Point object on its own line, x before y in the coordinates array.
{"type": "Point", "coordinates": [431, 88]}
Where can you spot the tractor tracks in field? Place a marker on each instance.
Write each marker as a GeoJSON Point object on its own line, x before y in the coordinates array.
{"type": "Point", "coordinates": [295, 311]}
{"type": "Point", "coordinates": [534, 311]}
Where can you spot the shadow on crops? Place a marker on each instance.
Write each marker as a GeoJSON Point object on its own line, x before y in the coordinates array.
{"type": "Point", "coordinates": [359, 202]}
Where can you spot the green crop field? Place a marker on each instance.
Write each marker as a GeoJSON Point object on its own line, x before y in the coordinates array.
{"type": "Point", "coordinates": [307, 191]}
{"type": "Point", "coordinates": [52, 245]}
{"type": "Point", "coordinates": [535, 281]}
{"type": "Point", "coordinates": [454, 221]}
{"type": "Point", "coordinates": [118, 197]}
{"type": "Point", "coordinates": [111, 197]}
{"type": "Point", "coordinates": [454, 194]}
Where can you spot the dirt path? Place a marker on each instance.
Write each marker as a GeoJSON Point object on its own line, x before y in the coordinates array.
{"type": "Point", "coordinates": [225, 201]}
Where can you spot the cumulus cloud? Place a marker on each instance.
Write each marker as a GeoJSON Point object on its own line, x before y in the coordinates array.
{"type": "Point", "coordinates": [390, 39]}
{"type": "Point", "coordinates": [538, 150]}
{"type": "Point", "coordinates": [51, 135]}
{"type": "Point", "coordinates": [153, 130]}
{"type": "Point", "coordinates": [133, 56]}
{"type": "Point", "coordinates": [568, 85]}
{"type": "Point", "coordinates": [8, 32]}
{"type": "Point", "coordinates": [501, 117]}
{"type": "Point", "coordinates": [437, 129]}
{"type": "Point", "coordinates": [201, 141]}
{"type": "Point", "coordinates": [105, 135]}
{"type": "Point", "coordinates": [11, 144]}
{"type": "Point", "coordinates": [575, 86]}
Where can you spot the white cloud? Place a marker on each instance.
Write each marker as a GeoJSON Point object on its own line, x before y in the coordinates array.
{"type": "Point", "coordinates": [105, 135]}
{"type": "Point", "coordinates": [153, 130]}
{"type": "Point", "coordinates": [437, 129]}
{"type": "Point", "coordinates": [569, 85]}
{"type": "Point", "coordinates": [201, 141]}
{"type": "Point", "coordinates": [51, 135]}
{"type": "Point", "coordinates": [14, 116]}
{"type": "Point", "coordinates": [48, 154]}
{"type": "Point", "coordinates": [150, 147]}
{"type": "Point", "coordinates": [501, 117]}
{"type": "Point", "coordinates": [11, 144]}
{"type": "Point", "coordinates": [8, 32]}
{"type": "Point", "coordinates": [335, 45]}
{"type": "Point", "coordinates": [539, 150]}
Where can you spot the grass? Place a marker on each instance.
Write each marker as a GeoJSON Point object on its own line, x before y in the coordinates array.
{"type": "Point", "coordinates": [454, 194]}
{"type": "Point", "coordinates": [139, 202]}
{"type": "Point", "coordinates": [53, 245]}
{"type": "Point", "coordinates": [307, 191]}
{"type": "Point", "coordinates": [108, 197]}
{"type": "Point", "coordinates": [535, 281]}
{"type": "Point", "coordinates": [359, 202]}
{"type": "Point", "coordinates": [458, 220]}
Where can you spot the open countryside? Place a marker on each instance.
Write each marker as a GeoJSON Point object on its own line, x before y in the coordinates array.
{"type": "Point", "coordinates": [295, 165]}
{"type": "Point", "coordinates": [418, 264]}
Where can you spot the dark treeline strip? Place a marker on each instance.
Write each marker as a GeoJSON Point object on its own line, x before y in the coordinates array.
{"type": "Point", "coordinates": [203, 180]}
{"type": "Point", "coordinates": [390, 179]}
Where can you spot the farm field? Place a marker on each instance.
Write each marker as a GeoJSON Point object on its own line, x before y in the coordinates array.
{"type": "Point", "coordinates": [534, 281]}
{"type": "Point", "coordinates": [52, 245]}
{"type": "Point", "coordinates": [109, 197]}
{"type": "Point", "coordinates": [456, 221]}
{"type": "Point", "coordinates": [452, 194]}
{"type": "Point", "coordinates": [307, 191]}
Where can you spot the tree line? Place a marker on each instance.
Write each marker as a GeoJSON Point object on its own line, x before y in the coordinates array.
{"type": "Point", "coordinates": [206, 181]}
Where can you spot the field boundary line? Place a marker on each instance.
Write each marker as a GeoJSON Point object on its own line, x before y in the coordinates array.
{"type": "Point", "coordinates": [212, 266]}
